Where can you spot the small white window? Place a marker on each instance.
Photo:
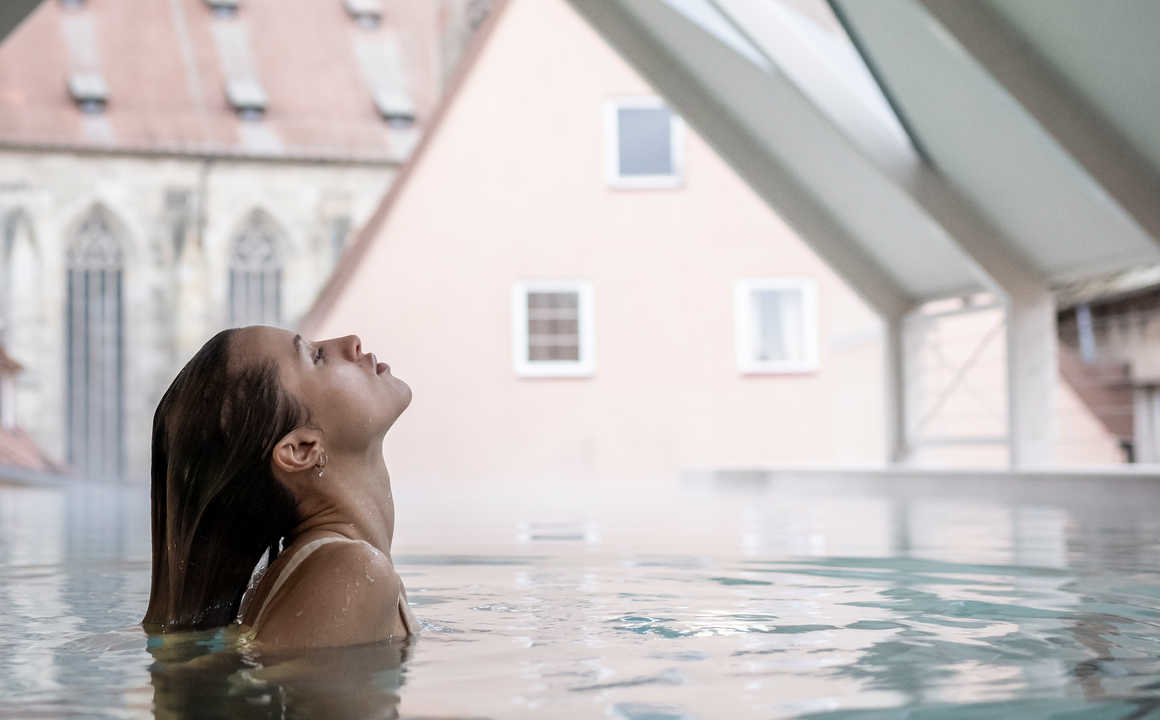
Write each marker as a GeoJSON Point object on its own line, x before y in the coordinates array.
{"type": "Point", "coordinates": [644, 143]}
{"type": "Point", "coordinates": [777, 324]}
{"type": "Point", "coordinates": [552, 329]}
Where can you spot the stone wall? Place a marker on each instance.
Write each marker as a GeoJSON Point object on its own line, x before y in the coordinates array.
{"type": "Point", "coordinates": [175, 219]}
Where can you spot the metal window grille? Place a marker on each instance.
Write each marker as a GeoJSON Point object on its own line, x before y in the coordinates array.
{"type": "Point", "coordinates": [553, 326]}
{"type": "Point", "coordinates": [956, 382]}
{"type": "Point", "coordinates": [255, 293]}
{"type": "Point", "coordinates": [96, 350]}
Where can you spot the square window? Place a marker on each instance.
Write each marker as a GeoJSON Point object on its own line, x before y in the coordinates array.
{"type": "Point", "coordinates": [644, 142]}
{"type": "Point", "coordinates": [552, 328]}
{"type": "Point", "coordinates": [776, 325]}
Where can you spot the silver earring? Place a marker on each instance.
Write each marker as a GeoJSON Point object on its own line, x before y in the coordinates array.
{"type": "Point", "coordinates": [321, 464]}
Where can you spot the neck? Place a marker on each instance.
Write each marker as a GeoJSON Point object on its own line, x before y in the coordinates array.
{"type": "Point", "coordinates": [352, 499]}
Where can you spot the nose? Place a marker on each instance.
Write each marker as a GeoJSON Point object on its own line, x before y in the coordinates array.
{"type": "Point", "coordinates": [351, 347]}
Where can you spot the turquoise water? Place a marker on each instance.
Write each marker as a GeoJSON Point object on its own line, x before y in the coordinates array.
{"type": "Point", "coordinates": [855, 596]}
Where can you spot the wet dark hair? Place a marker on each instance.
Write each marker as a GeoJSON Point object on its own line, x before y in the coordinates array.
{"type": "Point", "coordinates": [216, 505]}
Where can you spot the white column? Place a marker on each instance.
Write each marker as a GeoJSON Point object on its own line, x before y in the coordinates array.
{"type": "Point", "coordinates": [1032, 374]}
{"type": "Point", "coordinates": [895, 395]}
{"type": "Point", "coordinates": [1144, 420]}
{"type": "Point", "coordinates": [7, 401]}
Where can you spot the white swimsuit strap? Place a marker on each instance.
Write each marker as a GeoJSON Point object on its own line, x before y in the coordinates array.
{"type": "Point", "coordinates": [291, 566]}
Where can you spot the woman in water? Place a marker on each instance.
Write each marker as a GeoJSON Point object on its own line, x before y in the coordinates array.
{"type": "Point", "coordinates": [269, 446]}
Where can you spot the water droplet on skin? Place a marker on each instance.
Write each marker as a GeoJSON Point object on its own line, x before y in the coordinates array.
{"type": "Point", "coordinates": [298, 614]}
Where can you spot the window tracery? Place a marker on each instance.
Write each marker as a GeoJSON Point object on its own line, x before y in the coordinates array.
{"type": "Point", "coordinates": [96, 348]}
{"type": "Point", "coordinates": [255, 287]}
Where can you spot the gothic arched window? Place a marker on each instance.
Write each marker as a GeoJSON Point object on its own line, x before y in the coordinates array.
{"type": "Point", "coordinates": [255, 274]}
{"type": "Point", "coordinates": [96, 348]}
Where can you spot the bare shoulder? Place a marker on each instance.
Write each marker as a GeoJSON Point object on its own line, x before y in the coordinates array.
{"type": "Point", "coordinates": [343, 593]}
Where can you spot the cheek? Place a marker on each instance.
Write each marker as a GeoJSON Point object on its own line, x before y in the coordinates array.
{"type": "Point", "coordinates": [345, 406]}
{"type": "Point", "coordinates": [362, 409]}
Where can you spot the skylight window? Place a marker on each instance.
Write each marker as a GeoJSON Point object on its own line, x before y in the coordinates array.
{"type": "Point", "coordinates": [248, 97]}
{"type": "Point", "coordinates": [223, 8]}
{"type": "Point", "coordinates": [366, 13]}
{"type": "Point", "coordinates": [382, 67]}
{"type": "Point", "coordinates": [89, 91]}
{"type": "Point", "coordinates": [395, 107]}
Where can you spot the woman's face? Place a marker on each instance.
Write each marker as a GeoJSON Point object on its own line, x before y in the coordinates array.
{"type": "Point", "coordinates": [351, 396]}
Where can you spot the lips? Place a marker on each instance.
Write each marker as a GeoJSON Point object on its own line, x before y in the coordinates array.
{"type": "Point", "coordinates": [380, 367]}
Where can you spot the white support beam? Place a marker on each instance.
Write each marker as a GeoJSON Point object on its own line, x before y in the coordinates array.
{"type": "Point", "coordinates": [1103, 153]}
{"type": "Point", "coordinates": [1032, 365]}
{"type": "Point", "coordinates": [1032, 362]}
{"type": "Point", "coordinates": [1031, 340]}
{"type": "Point", "coordinates": [1031, 355]}
{"type": "Point", "coordinates": [994, 151]}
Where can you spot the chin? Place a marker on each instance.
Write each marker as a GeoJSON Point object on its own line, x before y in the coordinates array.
{"type": "Point", "coordinates": [402, 397]}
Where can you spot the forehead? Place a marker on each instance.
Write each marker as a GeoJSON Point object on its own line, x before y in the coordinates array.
{"type": "Point", "coordinates": [261, 343]}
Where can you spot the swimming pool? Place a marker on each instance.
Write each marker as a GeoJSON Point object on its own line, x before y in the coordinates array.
{"type": "Point", "coordinates": [740, 595]}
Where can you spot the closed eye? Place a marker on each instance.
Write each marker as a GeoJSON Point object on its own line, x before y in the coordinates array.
{"type": "Point", "coordinates": [318, 356]}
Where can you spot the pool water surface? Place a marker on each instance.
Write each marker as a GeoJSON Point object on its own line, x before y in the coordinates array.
{"type": "Point", "coordinates": [786, 595]}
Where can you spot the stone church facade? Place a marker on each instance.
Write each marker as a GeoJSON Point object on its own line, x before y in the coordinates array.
{"type": "Point", "coordinates": [170, 168]}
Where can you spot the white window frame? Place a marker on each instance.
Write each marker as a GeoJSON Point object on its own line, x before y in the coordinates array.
{"type": "Point", "coordinates": [743, 290]}
{"type": "Point", "coordinates": [612, 146]}
{"type": "Point", "coordinates": [586, 365]}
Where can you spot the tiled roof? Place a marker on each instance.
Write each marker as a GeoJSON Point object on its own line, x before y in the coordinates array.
{"type": "Point", "coordinates": [17, 449]}
{"type": "Point", "coordinates": [166, 69]}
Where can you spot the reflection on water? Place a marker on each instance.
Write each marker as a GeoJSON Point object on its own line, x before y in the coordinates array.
{"type": "Point", "coordinates": [818, 596]}
{"type": "Point", "coordinates": [206, 675]}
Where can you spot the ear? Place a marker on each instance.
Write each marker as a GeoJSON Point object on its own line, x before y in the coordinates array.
{"type": "Point", "coordinates": [299, 450]}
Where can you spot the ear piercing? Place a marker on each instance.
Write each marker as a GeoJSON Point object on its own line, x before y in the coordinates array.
{"type": "Point", "coordinates": [321, 464]}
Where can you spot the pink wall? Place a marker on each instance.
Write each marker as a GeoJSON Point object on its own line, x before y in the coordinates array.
{"type": "Point", "coordinates": [512, 187]}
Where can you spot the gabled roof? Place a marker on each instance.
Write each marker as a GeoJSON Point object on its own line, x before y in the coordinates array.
{"type": "Point", "coordinates": [1029, 152]}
